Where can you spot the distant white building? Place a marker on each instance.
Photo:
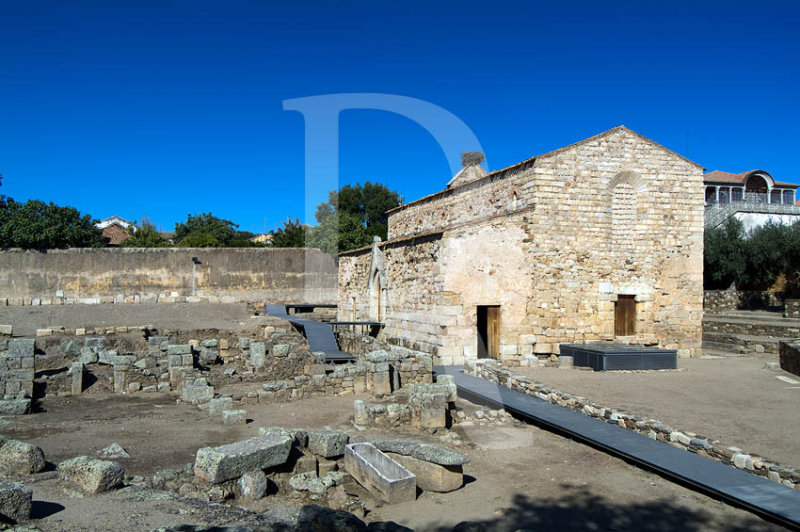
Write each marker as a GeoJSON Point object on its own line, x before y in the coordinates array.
{"type": "Point", "coordinates": [753, 197]}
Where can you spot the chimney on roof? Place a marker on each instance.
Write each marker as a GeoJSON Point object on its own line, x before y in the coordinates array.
{"type": "Point", "coordinates": [471, 158]}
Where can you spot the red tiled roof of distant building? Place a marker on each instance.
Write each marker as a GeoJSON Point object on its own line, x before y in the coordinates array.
{"type": "Point", "coordinates": [728, 178]}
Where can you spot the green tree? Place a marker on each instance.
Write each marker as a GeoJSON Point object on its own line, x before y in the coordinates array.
{"type": "Point", "coordinates": [39, 225]}
{"type": "Point", "coordinates": [357, 213]}
{"type": "Point", "coordinates": [766, 251]}
{"type": "Point", "coordinates": [205, 228]}
{"type": "Point", "coordinates": [368, 202]}
{"type": "Point", "coordinates": [291, 235]}
{"type": "Point", "coordinates": [792, 261]}
{"type": "Point", "coordinates": [145, 236]}
{"type": "Point", "coordinates": [724, 259]}
{"type": "Point", "coordinates": [337, 233]}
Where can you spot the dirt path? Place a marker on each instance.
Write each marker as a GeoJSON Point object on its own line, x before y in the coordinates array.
{"type": "Point", "coordinates": [735, 400]}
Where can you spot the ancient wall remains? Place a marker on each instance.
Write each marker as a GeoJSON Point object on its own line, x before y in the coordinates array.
{"type": "Point", "coordinates": [408, 300]}
{"type": "Point", "coordinates": [245, 274]}
{"type": "Point", "coordinates": [719, 301]}
{"type": "Point", "coordinates": [554, 241]}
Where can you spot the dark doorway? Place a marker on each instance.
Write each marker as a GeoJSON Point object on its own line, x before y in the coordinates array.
{"type": "Point", "coordinates": [488, 331]}
{"type": "Point", "coordinates": [625, 316]}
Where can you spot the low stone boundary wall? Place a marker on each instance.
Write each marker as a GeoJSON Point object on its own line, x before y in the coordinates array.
{"type": "Point", "coordinates": [792, 308]}
{"type": "Point", "coordinates": [733, 456]}
{"type": "Point", "coordinates": [719, 301]}
{"type": "Point", "coordinates": [790, 357]}
{"type": "Point", "coordinates": [753, 329]}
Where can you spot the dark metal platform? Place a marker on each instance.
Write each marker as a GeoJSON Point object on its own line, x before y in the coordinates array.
{"type": "Point", "coordinates": [319, 334]}
{"type": "Point", "coordinates": [758, 495]}
{"type": "Point", "coordinates": [609, 357]}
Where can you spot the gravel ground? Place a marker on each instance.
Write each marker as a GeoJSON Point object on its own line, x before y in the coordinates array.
{"type": "Point", "coordinates": [736, 400]}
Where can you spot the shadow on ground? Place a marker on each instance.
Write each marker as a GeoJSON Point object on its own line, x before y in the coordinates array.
{"type": "Point", "coordinates": [42, 509]}
{"type": "Point", "coordinates": [582, 510]}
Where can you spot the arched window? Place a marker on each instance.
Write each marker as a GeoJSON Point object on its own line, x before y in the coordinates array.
{"type": "Point", "coordinates": [756, 188]}
{"type": "Point", "coordinates": [625, 188]}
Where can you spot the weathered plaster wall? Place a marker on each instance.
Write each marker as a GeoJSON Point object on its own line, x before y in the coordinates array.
{"type": "Point", "coordinates": [279, 275]}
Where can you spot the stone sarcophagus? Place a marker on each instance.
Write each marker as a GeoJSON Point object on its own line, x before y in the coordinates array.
{"type": "Point", "coordinates": [382, 476]}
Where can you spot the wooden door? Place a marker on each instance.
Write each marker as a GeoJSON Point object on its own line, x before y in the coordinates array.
{"type": "Point", "coordinates": [625, 316]}
{"type": "Point", "coordinates": [493, 331]}
{"type": "Point", "coordinates": [488, 331]}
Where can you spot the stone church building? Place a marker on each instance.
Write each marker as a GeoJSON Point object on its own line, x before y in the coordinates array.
{"type": "Point", "coordinates": [601, 240]}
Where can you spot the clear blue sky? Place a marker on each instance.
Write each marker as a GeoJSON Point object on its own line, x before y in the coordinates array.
{"type": "Point", "coordinates": [164, 111]}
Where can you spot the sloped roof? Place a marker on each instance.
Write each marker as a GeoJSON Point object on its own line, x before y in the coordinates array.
{"type": "Point", "coordinates": [728, 178]}
{"type": "Point", "coordinates": [102, 224]}
{"type": "Point", "coordinates": [499, 174]}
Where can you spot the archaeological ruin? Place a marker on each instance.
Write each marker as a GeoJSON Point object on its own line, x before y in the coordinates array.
{"type": "Point", "coordinates": [407, 385]}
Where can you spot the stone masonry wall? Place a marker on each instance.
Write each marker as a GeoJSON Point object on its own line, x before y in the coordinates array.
{"type": "Point", "coordinates": [554, 242]}
{"type": "Point", "coordinates": [789, 357]}
{"type": "Point", "coordinates": [413, 317]}
{"type": "Point", "coordinates": [718, 301]}
{"type": "Point", "coordinates": [247, 274]}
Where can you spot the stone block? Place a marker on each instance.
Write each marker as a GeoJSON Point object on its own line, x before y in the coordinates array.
{"type": "Point", "coordinates": [76, 373]}
{"type": "Point", "coordinates": [91, 475]}
{"type": "Point", "coordinates": [360, 416]}
{"type": "Point", "coordinates": [179, 349]}
{"type": "Point", "coordinates": [281, 350]}
{"type": "Point", "coordinates": [156, 341]}
{"type": "Point", "coordinates": [207, 356]}
{"type": "Point", "coordinates": [15, 501]}
{"type": "Point", "coordinates": [234, 417]}
{"type": "Point", "coordinates": [218, 404]}
{"type": "Point", "coordinates": [565, 362]}
{"type": "Point", "coordinates": [430, 476]}
{"type": "Point", "coordinates": [311, 483]}
{"type": "Point", "coordinates": [379, 383]}
{"type": "Point", "coordinates": [227, 462]}
{"type": "Point", "coordinates": [88, 356]}
{"type": "Point", "coordinates": [258, 354]}
{"type": "Point", "coordinates": [430, 410]}
{"type": "Point", "coordinates": [253, 485]}
{"type": "Point", "coordinates": [21, 347]}
{"type": "Point", "coordinates": [114, 451]}
{"type": "Point", "coordinates": [119, 381]}
{"type": "Point", "coordinates": [6, 330]}
{"type": "Point", "coordinates": [20, 458]}
{"type": "Point", "coordinates": [379, 474]}
{"type": "Point", "coordinates": [106, 356]}
{"type": "Point", "coordinates": [327, 443]}
{"type": "Point", "coordinates": [197, 392]}
{"type": "Point", "coordinates": [15, 407]}
{"type": "Point", "coordinates": [325, 466]}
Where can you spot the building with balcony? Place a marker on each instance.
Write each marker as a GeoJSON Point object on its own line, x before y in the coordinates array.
{"type": "Point", "coordinates": [753, 197]}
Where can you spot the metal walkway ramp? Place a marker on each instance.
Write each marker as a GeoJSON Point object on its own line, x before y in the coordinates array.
{"type": "Point", "coordinates": [759, 495]}
{"type": "Point", "coordinates": [319, 335]}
